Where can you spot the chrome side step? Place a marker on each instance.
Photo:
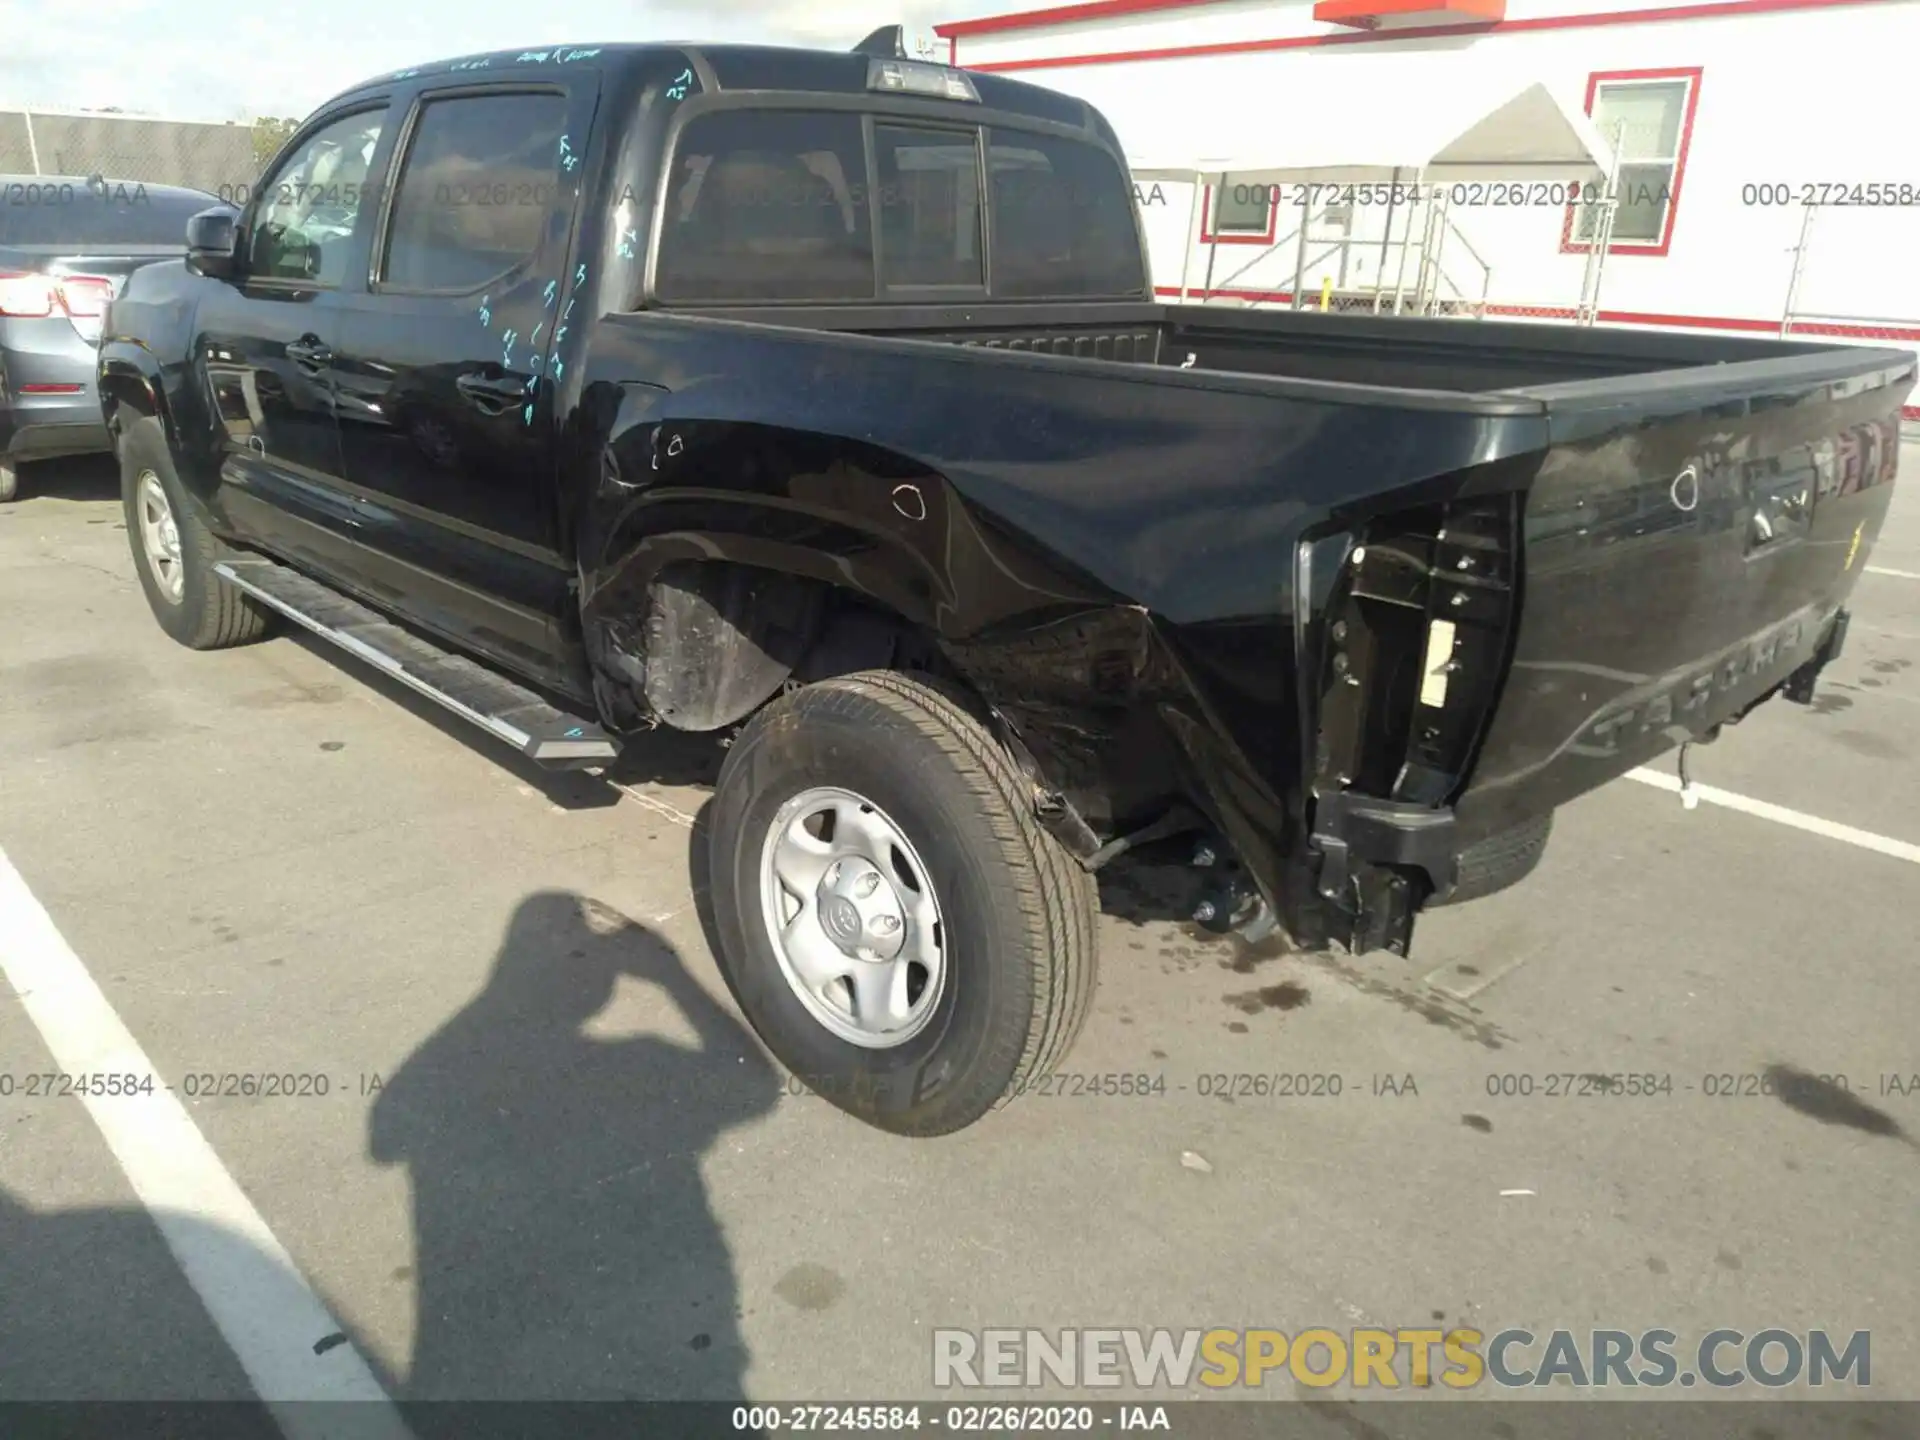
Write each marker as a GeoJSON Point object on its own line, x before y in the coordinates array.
{"type": "Point", "coordinates": [501, 707]}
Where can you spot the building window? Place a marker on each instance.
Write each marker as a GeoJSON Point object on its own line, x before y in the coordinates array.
{"type": "Point", "coordinates": [1648, 115]}
{"type": "Point", "coordinates": [1240, 212]}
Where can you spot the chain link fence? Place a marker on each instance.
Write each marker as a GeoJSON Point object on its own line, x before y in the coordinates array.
{"type": "Point", "coordinates": [220, 159]}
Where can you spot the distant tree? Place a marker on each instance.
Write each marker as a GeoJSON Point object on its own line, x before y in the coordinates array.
{"type": "Point", "coordinates": [269, 135]}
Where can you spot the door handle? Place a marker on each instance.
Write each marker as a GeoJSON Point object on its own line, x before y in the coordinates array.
{"type": "Point", "coordinates": [491, 394]}
{"type": "Point", "coordinates": [1782, 513]}
{"type": "Point", "coordinates": [309, 352]}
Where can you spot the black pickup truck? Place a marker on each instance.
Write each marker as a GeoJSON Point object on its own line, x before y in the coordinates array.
{"type": "Point", "coordinates": [823, 399]}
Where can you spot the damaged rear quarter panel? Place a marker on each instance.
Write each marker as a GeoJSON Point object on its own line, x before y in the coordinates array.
{"type": "Point", "coordinates": [1105, 551]}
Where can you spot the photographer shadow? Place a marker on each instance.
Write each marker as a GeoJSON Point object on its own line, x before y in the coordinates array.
{"type": "Point", "coordinates": [565, 1246]}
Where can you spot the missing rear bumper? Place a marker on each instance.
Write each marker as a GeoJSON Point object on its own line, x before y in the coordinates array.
{"type": "Point", "coordinates": [1799, 686]}
{"type": "Point", "coordinates": [1380, 861]}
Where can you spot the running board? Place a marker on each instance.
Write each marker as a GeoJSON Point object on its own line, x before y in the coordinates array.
{"type": "Point", "coordinates": [502, 708]}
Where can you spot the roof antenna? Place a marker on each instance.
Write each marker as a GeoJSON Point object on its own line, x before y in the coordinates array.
{"type": "Point", "coordinates": [889, 42]}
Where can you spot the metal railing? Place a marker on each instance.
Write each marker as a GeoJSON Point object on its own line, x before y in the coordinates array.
{"type": "Point", "coordinates": [1847, 281]}
{"type": "Point", "coordinates": [1435, 289]}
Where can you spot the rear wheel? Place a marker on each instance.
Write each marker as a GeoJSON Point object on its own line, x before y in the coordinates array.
{"type": "Point", "coordinates": [9, 481]}
{"type": "Point", "coordinates": [898, 929]}
{"type": "Point", "coordinates": [173, 549]}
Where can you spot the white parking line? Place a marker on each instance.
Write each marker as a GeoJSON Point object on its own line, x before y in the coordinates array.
{"type": "Point", "coordinates": [1812, 824]}
{"type": "Point", "coordinates": [1897, 574]}
{"type": "Point", "coordinates": [284, 1338]}
{"type": "Point", "coordinates": [657, 805]}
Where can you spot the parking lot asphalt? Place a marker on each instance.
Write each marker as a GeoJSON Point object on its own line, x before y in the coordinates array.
{"type": "Point", "coordinates": [551, 1161]}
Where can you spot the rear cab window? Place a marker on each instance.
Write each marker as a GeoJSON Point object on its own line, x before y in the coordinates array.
{"type": "Point", "coordinates": [768, 205]}
{"type": "Point", "coordinates": [1063, 225]}
{"type": "Point", "coordinates": [789, 205]}
{"type": "Point", "coordinates": [932, 225]}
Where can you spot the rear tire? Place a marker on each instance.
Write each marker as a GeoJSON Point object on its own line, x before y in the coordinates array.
{"type": "Point", "coordinates": [1015, 953]}
{"type": "Point", "coordinates": [9, 481]}
{"type": "Point", "coordinates": [174, 551]}
{"type": "Point", "coordinates": [1500, 861]}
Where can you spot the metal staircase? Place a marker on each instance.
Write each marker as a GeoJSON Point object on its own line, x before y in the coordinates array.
{"type": "Point", "coordinates": [1426, 266]}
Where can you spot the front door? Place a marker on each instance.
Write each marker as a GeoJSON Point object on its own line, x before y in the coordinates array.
{"type": "Point", "coordinates": [264, 346]}
{"type": "Point", "coordinates": [447, 427]}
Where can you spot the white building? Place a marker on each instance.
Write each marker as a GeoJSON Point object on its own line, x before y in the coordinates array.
{"type": "Point", "coordinates": [1730, 116]}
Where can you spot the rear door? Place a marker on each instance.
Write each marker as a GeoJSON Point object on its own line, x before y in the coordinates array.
{"type": "Point", "coordinates": [444, 393]}
{"type": "Point", "coordinates": [264, 342]}
{"type": "Point", "coordinates": [1686, 545]}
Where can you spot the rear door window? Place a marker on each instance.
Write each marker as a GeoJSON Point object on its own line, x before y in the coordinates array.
{"type": "Point", "coordinates": [1063, 220]}
{"type": "Point", "coordinates": [477, 188]}
{"type": "Point", "coordinates": [931, 226]}
{"type": "Point", "coordinates": [768, 205]}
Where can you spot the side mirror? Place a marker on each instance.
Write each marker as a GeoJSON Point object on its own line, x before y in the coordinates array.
{"type": "Point", "coordinates": [211, 238]}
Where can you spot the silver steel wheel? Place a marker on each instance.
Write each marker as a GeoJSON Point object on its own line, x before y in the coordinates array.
{"type": "Point", "coordinates": [160, 535]}
{"type": "Point", "coordinates": [853, 918]}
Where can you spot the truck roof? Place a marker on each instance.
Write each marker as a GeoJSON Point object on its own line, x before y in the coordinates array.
{"type": "Point", "coordinates": [746, 68]}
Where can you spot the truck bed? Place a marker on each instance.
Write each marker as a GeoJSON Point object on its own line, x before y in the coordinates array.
{"type": "Point", "coordinates": [1611, 540]}
{"type": "Point", "coordinates": [1387, 351]}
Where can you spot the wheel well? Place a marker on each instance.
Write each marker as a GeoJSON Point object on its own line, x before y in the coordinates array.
{"type": "Point", "coordinates": [131, 389]}
{"type": "Point", "coordinates": [718, 639]}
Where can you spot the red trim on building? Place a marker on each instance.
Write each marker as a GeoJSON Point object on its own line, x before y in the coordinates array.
{"type": "Point", "coordinates": [1367, 14]}
{"type": "Point", "coordinates": [1061, 15]}
{"type": "Point", "coordinates": [1691, 74]}
{"type": "Point", "coordinates": [1236, 237]}
{"type": "Point", "coordinates": [1722, 10]}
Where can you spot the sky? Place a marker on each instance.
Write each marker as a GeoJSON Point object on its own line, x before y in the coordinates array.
{"type": "Point", "coordinates": [198, 60]}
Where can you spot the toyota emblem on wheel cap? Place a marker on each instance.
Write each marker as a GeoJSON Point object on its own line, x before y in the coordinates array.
{"type": "Point", "coordinates": [842, 919]}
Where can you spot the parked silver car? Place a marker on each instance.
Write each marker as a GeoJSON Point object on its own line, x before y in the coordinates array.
{"type": "Point", "coordinates": [67, 245]}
